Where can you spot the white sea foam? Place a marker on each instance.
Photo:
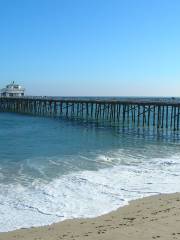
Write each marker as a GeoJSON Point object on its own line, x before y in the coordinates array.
{"type": "Point", "coordinates": [86, 193]}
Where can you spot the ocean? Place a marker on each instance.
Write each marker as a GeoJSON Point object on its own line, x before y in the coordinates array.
{"type": "Point", "coordinates": [56, 169]}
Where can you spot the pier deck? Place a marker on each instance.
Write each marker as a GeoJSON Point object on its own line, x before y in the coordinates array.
{"type": "Point", "coordinates": [137, 112]}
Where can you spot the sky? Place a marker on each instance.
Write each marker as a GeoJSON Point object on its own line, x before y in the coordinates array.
{"type": "Point", "coordinates": [91, 47]}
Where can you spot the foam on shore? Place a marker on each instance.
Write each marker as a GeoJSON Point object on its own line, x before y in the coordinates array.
{"type": "Point", "coordinates": [86, 193]}
{"type": "Point", "coordinates": [149, 218]}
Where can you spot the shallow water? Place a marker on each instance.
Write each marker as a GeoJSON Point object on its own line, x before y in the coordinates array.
{"type": "Point", "coordinates": [52, 169]}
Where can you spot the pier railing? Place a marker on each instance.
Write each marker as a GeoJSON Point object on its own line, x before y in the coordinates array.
{"type": "Point", "coordinates": [137, 112]}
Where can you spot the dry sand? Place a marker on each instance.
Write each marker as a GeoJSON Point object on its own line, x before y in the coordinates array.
{"type": "Point", "coordinates": [156, 217]}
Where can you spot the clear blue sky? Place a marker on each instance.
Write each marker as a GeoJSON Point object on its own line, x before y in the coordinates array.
{"type": "Point", "coordinates": [91, 47]}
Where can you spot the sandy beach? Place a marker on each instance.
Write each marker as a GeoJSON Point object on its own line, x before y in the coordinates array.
{"type": "Point", "coordinates": [156, 217]}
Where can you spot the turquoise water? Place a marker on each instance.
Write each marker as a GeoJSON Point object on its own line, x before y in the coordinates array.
{"type": "Point", "coordinates": [52, 169]}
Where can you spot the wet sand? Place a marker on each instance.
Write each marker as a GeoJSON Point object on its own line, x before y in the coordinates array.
{"type": "Point", "coordinates": [156, 217]}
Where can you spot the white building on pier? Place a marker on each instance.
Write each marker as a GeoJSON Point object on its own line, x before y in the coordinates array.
{"type": "Point", "coordinates": [12, 90]}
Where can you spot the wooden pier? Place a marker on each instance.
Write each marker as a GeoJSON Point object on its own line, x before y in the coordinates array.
{"type": "Point", "coordinates": [139, 112]}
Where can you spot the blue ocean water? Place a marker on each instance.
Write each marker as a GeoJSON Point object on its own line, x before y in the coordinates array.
{"type": "Point", "coordinates": [53, 169]}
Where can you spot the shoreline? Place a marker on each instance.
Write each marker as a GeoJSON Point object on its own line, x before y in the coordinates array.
{"type": "Point", "coordinates": [154, 217]}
